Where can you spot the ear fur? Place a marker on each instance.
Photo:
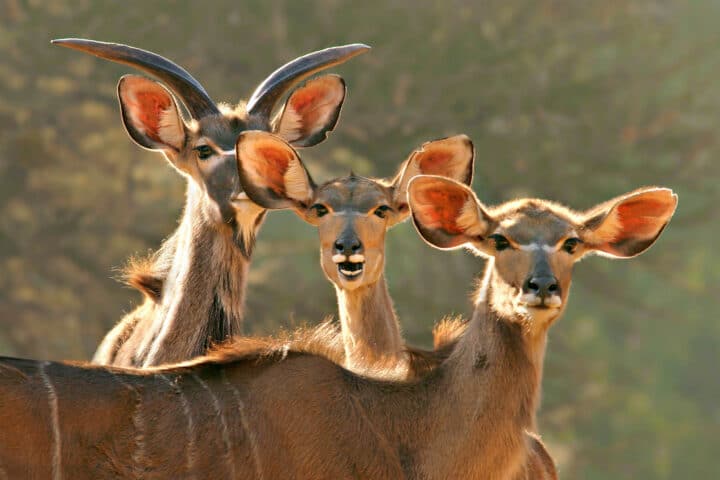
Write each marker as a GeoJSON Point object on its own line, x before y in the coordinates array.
{"type": "Point", "coordinates": [450, 157]}
{"type": "Point", "coordinates": [628, 225]}
{"type": "Point", "coordinates": [446, 213]}
{"type": "Point", "coordinates": [271, 172]}
{"type": "Point", "coordinates": [150, 114]}
{"type": "Point", "coordinates": [311, 111]}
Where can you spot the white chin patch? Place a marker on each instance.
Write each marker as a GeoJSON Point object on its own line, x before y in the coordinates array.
{"type": "Point", "coordinates": [554, 301]}
{"type": "Point", "coordinates": [530, 300]}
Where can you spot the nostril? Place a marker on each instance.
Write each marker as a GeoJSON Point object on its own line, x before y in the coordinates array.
{"type": "Point", "coordinates": [553, 288]}
{"type": "Point", "coordinates": [339, 246]}
{"type": "Point", "coordinates": [356, 247]}
{"type": "Point", "coordinates": [533, 286]}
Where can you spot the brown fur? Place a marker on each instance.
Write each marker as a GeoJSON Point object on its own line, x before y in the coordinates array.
{"type": "Point", "coordinates": [145, 275]}
{"type": "Point", "coordinates": [249, 402]}
{"type": "Point", "coordinates": [207, 296]}
{"type": "Point", "coordinates": [447, 331]}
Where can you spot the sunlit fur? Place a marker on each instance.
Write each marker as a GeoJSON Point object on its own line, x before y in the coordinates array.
{"type": "Point", "coordinates": [255, 408]}
{"type": "Point", "coordinates": [194, 285]}
{"type": "Point", "coordinates": [448, 215]}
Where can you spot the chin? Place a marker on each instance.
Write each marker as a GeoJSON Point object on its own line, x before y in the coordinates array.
{"type": "Point", "coordinates": [349, 284]}
{"type": "Point", "coordinates": [545, 315]}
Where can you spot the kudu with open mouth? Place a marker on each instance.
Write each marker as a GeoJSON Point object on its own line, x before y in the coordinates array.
{"type": "Point", "coordinates": [285, 410]}
{"type": "Point", "coordinates": [194, 285]}
{"type": "Point", "coordinates": [352, 214]}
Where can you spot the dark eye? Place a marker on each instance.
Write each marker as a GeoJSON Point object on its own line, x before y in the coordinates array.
{"type": "Point", "coordinates": [320, 209]}
{"type": "Point", "coordinates": [204, 152]}
{"type": "Point", "coordinates": [501, 243]}
{"type": "Point", "coordinates": [571, 244]}
{"type": "Point", "coordinates": [381, 211]}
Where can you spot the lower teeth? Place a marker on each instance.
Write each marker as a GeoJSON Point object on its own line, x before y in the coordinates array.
{"type": "Point", "coordinates": [351, 273]}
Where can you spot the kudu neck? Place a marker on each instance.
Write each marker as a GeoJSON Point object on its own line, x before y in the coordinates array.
{"type": "Point", "coordinates": [203, 296]}
{"type": "Point", "coordinates": [214, 250]}
{"type": "Point", "coordinates": [370, 328]}
{"type": "Point", "coordinates": [490, 383]}
{"type": "Point", "coordinates": [502, 340]}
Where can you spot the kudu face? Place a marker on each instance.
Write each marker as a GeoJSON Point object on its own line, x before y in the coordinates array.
{"type": "Point", "coordinates": [352, 213]}
{"type": "Point", "coordinates": [535, 243]}
{"type": "Point", "coordinates": [203, 149]}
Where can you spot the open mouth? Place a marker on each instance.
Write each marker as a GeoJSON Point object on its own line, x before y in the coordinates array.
{"type": "Point", "coordinates": [350, 267]}
{"type": "Point", "coordinates": [351, 270]}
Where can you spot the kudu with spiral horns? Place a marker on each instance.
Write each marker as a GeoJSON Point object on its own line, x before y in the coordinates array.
{"type": "Point", "coordinates": [194, 285]}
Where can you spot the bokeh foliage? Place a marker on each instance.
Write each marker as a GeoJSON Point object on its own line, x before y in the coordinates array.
{"type": "Point", "coordinates": [575, 101]}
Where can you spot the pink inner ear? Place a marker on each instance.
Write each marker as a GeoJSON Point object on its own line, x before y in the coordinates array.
{"type": "Point", "coordinates": [310, 101]}
{"type": "Point", "coordinates": [304, 98]}
{"type": "Point", "coordinates": [641, 218]}
{"type": "Point", "coordinates": [273, 168]}
{"type": "Point", "coordinates": [435, 162]}
{"type": "Point", "coordinates": [439, 209]}
{"type": "Point", "coordinates": [148, 109]}
{"type": "Point", "coordinates": [306, 102]}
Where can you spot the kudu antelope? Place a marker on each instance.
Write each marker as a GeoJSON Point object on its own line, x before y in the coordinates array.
{"type": "Point", "coordinates": [352, 214]}
{"type": "Point", "coordinates": [286, 411]}
{"type": "Point", "coordinates": [194, 285]}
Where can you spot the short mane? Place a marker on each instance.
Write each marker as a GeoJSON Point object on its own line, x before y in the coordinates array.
{"type": "Point", "coordinates": [323, 340]}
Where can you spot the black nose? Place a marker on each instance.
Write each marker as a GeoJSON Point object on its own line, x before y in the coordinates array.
{"type": "Point", "coordinates": [348, 245]}
{"type": "Point", "coordinates": [543, 287]}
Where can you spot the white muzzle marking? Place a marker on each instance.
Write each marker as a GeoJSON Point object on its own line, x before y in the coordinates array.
{"type": "Point", "coordinates": [555, 301]}
{"type": "Point", "coordinates": [532, 300]}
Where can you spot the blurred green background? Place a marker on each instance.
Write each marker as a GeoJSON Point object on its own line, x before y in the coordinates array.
{"type": "Point", "coordinates": [576, 101]}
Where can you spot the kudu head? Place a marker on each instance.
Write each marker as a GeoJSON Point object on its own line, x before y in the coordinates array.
{"type": "Point", "coordinates": [535, 243]}
{"type": "Point", "coordinates": [203, 148]}
{"type": "Point", "coordinates": [352, 213]}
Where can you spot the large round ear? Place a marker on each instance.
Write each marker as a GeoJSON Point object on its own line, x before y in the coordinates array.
{"type": "Point", "coordinates": [450, 157]}
{"type": "Point", "coordinates": [447, 214]}
{"type": "Point", "coordinates": [271, 172]}
{"type": "Point", "coordinates": [628, 225]}
{"type": "Point", "coordinates": [150, 114]}
{"type": "Point", "coordinates": [311, 111]}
